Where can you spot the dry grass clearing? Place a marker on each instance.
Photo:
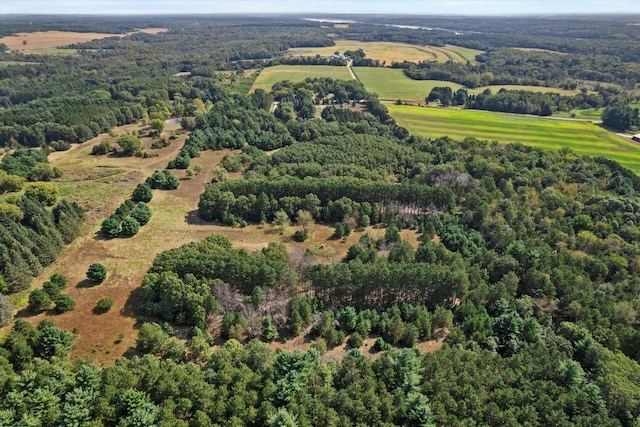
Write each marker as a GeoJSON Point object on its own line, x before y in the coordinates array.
{"type": "Point", "coordinates": [394, 52]}
{"type": "Point", "coordinates": [51, 39]}
{"type": "Point", "coordinates": [100, 184]}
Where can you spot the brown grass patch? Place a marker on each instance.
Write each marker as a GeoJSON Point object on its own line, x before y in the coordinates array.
{"type": "Point", "coordinates": [100, 184]}
{"type": "Point", "coordinates": [50, 39]}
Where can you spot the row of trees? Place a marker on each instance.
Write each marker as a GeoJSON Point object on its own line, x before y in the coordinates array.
{"type": "Point", "coordinates": [32, 236]}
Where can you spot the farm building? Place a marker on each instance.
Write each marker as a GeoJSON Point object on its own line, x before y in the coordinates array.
{"type": "Point", "coordinates": [636, 137]}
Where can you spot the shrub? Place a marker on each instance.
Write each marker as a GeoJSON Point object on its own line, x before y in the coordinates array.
{"type": "Point", "coordinates": [97, 273]}
{"type": "Point", "coordinates": [163, 180]}
{"type": "Point", "coordinates": [130, 226]}
{"type": "Point", "coordinates": [111, 226]}
{"type": "Point", "coordinates": [45, 192]}
{"type": "Point", "coordinates": [102, 148]}
{"type": "Point", "coordinates": [39, 301]}
{"type": "Point", "coordinates": [355, 340]}
{"type": "Point", "coordinates": [300, 236]}
{"type": "Point", "coordinates": [381, 345]}
{"type": "Point", "coordinates": [104, 304]}
{"type": "Point", "coordinates": [142, 213]}
{"type": "Point", "coordinates": [64, 303]}
{"type": "Point", "coordinates": [142, 193]}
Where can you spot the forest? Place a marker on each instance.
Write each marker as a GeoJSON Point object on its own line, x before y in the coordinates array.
{"type": "Point", "coordinates": [524, 269]}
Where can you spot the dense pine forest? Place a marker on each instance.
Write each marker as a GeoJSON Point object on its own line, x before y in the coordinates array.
{"type": "Point", "coordinates": [525, 269]}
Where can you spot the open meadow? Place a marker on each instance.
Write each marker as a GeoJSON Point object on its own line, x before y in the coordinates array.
{"type": "Point", "coordinates": [44, 41]}
{"type": "Point", "coordinates": [391, 84]}
{"type": "Point", "coordinates": [580, 136]}
{"type": "Point", "coordinates": [297, 73]}
{"type": "Point", "coordinates": [389, 52]}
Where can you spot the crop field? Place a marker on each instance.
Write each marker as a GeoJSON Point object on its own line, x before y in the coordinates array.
{"type": "Point", "coordinates": [297, 73]}
{"type": "Point", "coordinates": [580, 136]}
{"type": "Point", "coordinates": [394, 52]}
{"type": "Point", "coordinates": [40, 40]}
{"type": "Point", "coordinates": [391, 84]}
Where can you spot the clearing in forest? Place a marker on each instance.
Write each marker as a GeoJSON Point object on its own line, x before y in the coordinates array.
{"type": "Point", "coordinates": [391, 84]}
{"type": "Point", "coordinates": [41, 40]}
{"type": "Point", "coordinates": [297, 73]}
{"type": "Point", "coordinates": [389, 52]}
{"type": "Point", "coordinates": [580, 136]}
{"type": "Point", "coordinates": [100, 184]}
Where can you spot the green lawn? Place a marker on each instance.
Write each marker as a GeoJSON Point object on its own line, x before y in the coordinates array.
{"type": "Point", "coordinates": [297, 73]}
{"type": "Point", "coordinates": [582, 137]}
{"type": "Point", "coordinates": [391, 84]}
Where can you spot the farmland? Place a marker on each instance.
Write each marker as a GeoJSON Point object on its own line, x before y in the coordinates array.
{"type": "Point", "coordinates": [582, 137]}
{"type": "Point", "coordinates": [41, 41]}
{"type": "Point", "coordinates": [297, 73]}
{"type": "Point", "coordinates": [391, 84]}
{"type": "Point", "coordinates": [394, 52]}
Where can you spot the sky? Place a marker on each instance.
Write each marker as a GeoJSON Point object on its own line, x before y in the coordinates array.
{"type": "Point", "coordinates": [425, 7]}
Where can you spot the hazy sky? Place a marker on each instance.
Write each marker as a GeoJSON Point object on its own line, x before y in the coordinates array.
{"type": "Point", "coordinates": [433, 7]}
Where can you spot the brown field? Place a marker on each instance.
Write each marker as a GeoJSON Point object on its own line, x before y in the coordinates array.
{"type": "Point", "coordinates": [393, 52]}
{"type": "Point", "coordinates": [100, 184]}
{"type": "Point", "coordinates": [50, 39]}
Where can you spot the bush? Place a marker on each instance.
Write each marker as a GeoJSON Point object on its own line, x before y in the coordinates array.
{"type": "Point", "coordinates": [381, 345]}
{"type": "Point", "coordinates": [39, 301]}
{"type": "Point", "coordinates": [355, 340]}
{"type": "Point", "coordinates": [45, 192]}
{"type": "Point", "coordinates": [163, 180]}
{"type": "Point", "coordinates": [142, 213]}
{"type": "Point", "coordinates": [97, 273]}
{"type": "Point", "coordinates": [142, 193]}
{"type": "Point", "coordinates": [111, 226]}
{"type": "Point", "coordinates": [102, 148]}
{"type": "Point", "coordinates": [300, 235]}
{"type": "Point", "coordinates": [104, 304]}
{"type": "Point", "coordinates": [64, 303]}
{"type": "Point", "coordinates": [130, 226]}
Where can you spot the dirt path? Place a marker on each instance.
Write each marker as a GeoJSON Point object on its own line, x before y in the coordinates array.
{"type": "Point", "coordinates": [353, 75]}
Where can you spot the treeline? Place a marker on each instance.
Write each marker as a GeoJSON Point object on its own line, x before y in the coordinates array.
{"type": "Point", "coordinates": [64, 120]}
{"type": "Point", "coordinates": [31, 237]}
{"type": "Point", "coordinates": [529, 68]}
{"type": "Point", "coordinates": [334, 195]}
{"type": "Point", "coordinates": [599, 36]}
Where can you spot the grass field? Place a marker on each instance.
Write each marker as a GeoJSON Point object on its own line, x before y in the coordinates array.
{"type": "Point", "coordinates": [297, 73]}
{"type": "Point", "coordinates": [391, 84]}
{"type": "Point", "coordinates": [40, 40]}
{"type": "Point", "coordinates": [582, 137]}
{"type": "Point", "coordinates": [394, 52]}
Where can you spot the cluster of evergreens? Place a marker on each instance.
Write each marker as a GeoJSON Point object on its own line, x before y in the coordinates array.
{"type": "Point", "coordinates": [31, 236]}
{"type": "Point", "coordinates": [527, 260]}
{"type": "Point", "coordinates": [132, 214]}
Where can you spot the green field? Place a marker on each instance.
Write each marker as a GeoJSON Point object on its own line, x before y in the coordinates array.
{"type": "Point", "coordinates": [391, 84]}
{"type": "Point", "coordinates": [582, 137]}
{"type": "Point", "coordinates": [53, 51]}
{"type": "Point", "coordinates": [297, 73]}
